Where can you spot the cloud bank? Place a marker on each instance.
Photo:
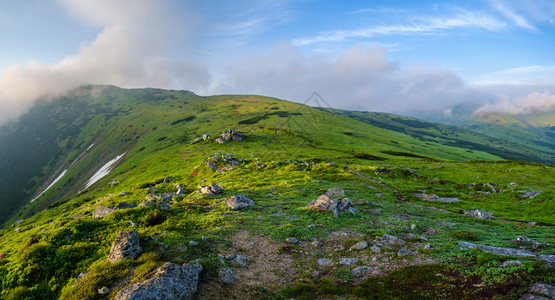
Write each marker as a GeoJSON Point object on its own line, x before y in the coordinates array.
{"type": "Point", "coordinates": [130, 51]}
{"type": "Point", "coordinates": [531, 103]}
{"type": "Point", "coordinates": [361, 78]}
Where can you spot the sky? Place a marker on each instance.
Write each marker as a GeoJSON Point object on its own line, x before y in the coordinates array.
{"type": "Point", "coordinates": [406, 57]}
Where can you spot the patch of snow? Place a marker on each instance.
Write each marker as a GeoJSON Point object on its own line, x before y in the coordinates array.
{"type": "Point", "coordinates": [105, 170]}
{"type": "Point", "coordinates": [53, 183]}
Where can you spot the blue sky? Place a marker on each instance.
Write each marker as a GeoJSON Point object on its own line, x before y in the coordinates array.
{"type": "Point", "coordinates": [397, 56]}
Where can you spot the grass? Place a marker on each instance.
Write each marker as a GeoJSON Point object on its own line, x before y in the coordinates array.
{"type": "Point", "coordinates": [284, 168]}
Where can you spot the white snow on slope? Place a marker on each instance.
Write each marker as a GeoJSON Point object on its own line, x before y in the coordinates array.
{"type": "Point", "coordinates": [53, 183]}
{"type": "Point", "coordinates": [105, 170]}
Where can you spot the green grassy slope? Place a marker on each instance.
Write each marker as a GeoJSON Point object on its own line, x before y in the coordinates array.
{"type": "Point", "coordinates": [57, 135]}
{"type": "Point", "coordinates": [500, 135]}
{"type": "Point", "coordinates": [292, 154]}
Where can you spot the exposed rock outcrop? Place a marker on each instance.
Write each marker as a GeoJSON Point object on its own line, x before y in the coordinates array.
{"type": "Point", "coordinates": [232, 135]}
{"type": "Point", "coordinates": [125, 245]}
{"type": "Point", "coordinates": [169, 281]}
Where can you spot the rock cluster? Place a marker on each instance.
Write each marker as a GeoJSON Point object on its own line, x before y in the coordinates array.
{"type": "Point", "coordinates": [169, 281]}
{"type": "Point", "coordinates": [232, 135]}
{"type": "Point", "coordinates": [328, 201]}
{"type": "Point", "coordinates": [211, 189]}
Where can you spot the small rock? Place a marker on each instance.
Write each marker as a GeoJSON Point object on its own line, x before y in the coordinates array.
{"type": "Point", "coordinates": [104, 291]}
{"type": "Point", "coordinates": [523, 239]}
{"type": "Point", "coordinates": [193, 243]}
{"type": "Point", "coordinates": [335, 193]}
{"type": "Point", "coordinates": [375, 249]}
{"type": "Point", "coordinates": [316, 243]}
{"type": "Point", "coordinates": [479, 214]}
{"type": "Point", "coordinates": [293, 218]}
{"type": "Point", "coordinates": [491, 187]}
{"type": "Point", "coordinates": [358, 246]}
{"type": "Point", "coordinates": [131, 223]}
{"type": "Point", "coordinates": [146, 204]}
{"type": "Point", "coordinates": [312, 226]}
{"type": "Point", "coordinates": [101, 212]}
{"type": "Point", "coordinates": [227, 275]}
{"type": "Point", "coordinates": [347, 261]}
{"type": "Point", "coordinates": [291, 240]}
{"type": "Point", "coordinates": [205, 137]}
{"type": "Point", "coordinates": [124, 193]}
{"type": "Point", "coordinates": [530, 194]}
{"type": "Point", "coordinates": [238, 202]}
{"type": "Point", "coordinates": [404, 252]}
{"type": "Point", "coordinates": [182, 248]}
{"type": "Point", "coordinates": [124, 205]}
{"type": "Point", "coordinates": [80, 276]}
{"type": "Point", "coordinates": [511, 263]}
{"type": "Point", "coordinates": [324, 262]}
{"type": "Point", "coordinates": [240, 260]}
{"type": "Point", "coordinates": [163, 206]}
{"type": "Point", "coordinates": [360, 270]}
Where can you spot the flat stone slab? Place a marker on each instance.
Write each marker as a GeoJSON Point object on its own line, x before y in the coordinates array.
{"type": "Point", "coordinates": [436, 198]}
{"type": "Point", "coordinates": [550, 259]}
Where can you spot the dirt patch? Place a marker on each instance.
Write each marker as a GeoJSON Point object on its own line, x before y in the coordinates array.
{"type": "Point", "coordinates": [273, 264]}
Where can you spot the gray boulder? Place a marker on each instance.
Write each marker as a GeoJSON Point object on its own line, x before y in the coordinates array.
{"type": "Point", "coordinates": [232, 135]}
{"type": "Point", "coordinates": [358, 246]}
{"type": "Point", "coordinates": [211, 189]}
{"type": "Point", "coordinates": [348, 261]}
{"type": "Point", "coordinates": [125, 245]}
{"type": "Point", "coordinates": [328, 202]}
{"type": "Point", "coordinates": [101, 212]}
{"type": "Point", "coordinates": [238, 202]}
{"type": "Point", "coordinates": [324, 262]}
{"type": "Point", "coordinates": [146, 204]}
{"type": "Point", "coordinates": [163, 206]}
{"type": "Point", "coordinates": [169, 281]}
{"type": "Point", "coordinates": [360, 270]}
{"type": "Point", "coordinates": [227, 275]}
{"type": "Point", "coordinates": [205, 137]}
{"type": "Point", "coordinates": [479, 214]}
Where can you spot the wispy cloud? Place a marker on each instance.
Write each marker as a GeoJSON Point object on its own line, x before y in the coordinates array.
{"type": "Point", "coordinates": [422, 25]}
{"type": "Point", "coordinates": [380, 10]}
{"type": "Point", "coordinates": [510, 14]}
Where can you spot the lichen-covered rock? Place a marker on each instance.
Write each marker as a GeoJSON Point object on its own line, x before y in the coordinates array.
{"type": "Point", "coordinates": [169, 281]}
{"type": "Point", "coordinates": [125, 245]}
{"type": "Point", "coordinates": [530, 194]}
{"type": "Point", "coordinates": [101, 212]}
{"type": "Point", "coordinates": [238, 202]}
{"type": "Point", "coordinates": [479, 214]}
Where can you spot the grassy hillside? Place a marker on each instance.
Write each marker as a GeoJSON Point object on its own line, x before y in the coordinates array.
{"type": "Point", "coordinates": [291, 155]}
{"type": "Point", "coordinates": [500, 135]}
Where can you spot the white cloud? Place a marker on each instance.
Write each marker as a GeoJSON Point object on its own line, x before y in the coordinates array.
{"type": "Point", "coordinates": [512, 15]}
{"type": "Point", "coordinates": [531, 103]}
{"type": "Point", "coordinates": [129, 51]}
{"type": "Point", "coordinates": [361, 78]}
{"type": "Point", "coordinates": [422, 25]}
